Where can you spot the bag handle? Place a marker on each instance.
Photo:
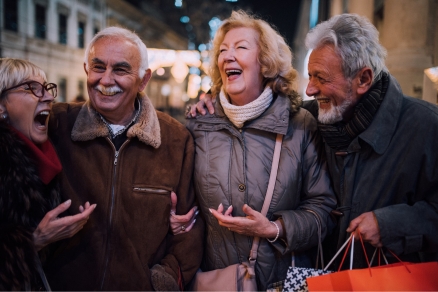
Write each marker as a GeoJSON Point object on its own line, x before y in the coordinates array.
{"type": "Point", "coordinates": [351, 239]}
{"type": "Point", "coordinates": [269, 193]}
{"type": "Point", "coordinates": [319, 254]}
{"type": "Point", "coordinates": [348, 243]}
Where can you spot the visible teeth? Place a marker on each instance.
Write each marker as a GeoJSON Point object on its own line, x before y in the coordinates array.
{"type": "Point", "coordinates": [109, 91]}
{"type": "Point", "coordinates": [44, 113]}
{"type": "Point", "coordinates": [233, 71]}
{"type": "Point", "coordinates": [323, 100]}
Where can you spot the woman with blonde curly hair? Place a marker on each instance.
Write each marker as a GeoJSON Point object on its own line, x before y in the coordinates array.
{"type": "Point", "coordinates": [253, 80]}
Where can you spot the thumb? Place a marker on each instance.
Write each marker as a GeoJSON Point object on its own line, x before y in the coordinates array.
{"type": "Point", "coordinates": [353, 225]}
{"type": "Point", "coordinates": [248, 210]}
{"type": "Point", "coordinates": [174, 200]}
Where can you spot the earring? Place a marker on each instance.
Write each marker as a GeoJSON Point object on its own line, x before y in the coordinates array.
{"type": "Point", "coordinates": [4, 116]}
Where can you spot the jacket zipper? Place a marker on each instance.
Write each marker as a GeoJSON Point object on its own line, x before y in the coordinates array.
{"type": "Point", "coordinates": [116, 157]}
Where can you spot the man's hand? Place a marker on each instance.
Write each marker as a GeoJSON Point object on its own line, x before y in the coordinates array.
{"type": "Point", "coordinates": [367, 225]}
{"type": "Point", "coordinates": [181, 223]}
{"type": "Point", "coordinates": [254, 224]}
{"type": "Point", "coordinates": [52, 228]}
{"type": "Point", "coordinates": [206, 103]}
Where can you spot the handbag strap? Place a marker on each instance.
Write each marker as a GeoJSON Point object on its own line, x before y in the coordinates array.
{"type": "Point", "coordinates": [319, 255]}
{"type": "Point", "coordinates": [269, 193]}
{"type": "Point", "coordinates": [42, 274]}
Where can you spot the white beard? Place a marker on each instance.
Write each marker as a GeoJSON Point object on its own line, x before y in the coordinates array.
{"type": "Point", "coordinates": [335, 113]}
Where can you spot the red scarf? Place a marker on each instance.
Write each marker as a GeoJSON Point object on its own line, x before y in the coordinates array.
{"type": "Point", "coordinates": [45, 157]}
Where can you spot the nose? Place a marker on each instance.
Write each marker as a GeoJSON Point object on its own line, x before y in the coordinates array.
{"type": "Point", "coordinates": [107, 78]}
{"type": "Point", "coordinates": [47, 97]}
{"type": "Point", "coordinates": [311, 89]}
{"type": "Point", "coordinates": [229, 55]}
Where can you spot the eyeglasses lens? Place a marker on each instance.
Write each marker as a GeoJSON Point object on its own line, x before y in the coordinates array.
{"type": "Point", "coordinates": [51, 88]}
{"type": "Point", "coordinates": [37, 89]}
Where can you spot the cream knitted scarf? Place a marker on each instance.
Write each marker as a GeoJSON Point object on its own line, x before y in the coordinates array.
{"type": "Point", "coordinates": [238, 115]}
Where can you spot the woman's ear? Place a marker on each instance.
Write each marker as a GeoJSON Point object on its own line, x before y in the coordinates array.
{"type": "Point", "coordinates": [3, 111]}
{"type": "Point", "coordinates": [365, 80]}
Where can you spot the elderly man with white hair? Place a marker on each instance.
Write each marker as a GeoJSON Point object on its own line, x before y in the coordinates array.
{"type": "Point", "coordinates": [380, 145]}
{"type": "Point", "coordinates": [120, 153]}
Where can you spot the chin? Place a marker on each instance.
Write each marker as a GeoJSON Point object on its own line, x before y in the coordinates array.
{"type": "Point", "coordinates": [39, 139]}
{"type": "Point", "coordinates": [331, 116]}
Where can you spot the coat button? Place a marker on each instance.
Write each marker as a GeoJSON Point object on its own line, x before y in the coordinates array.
{"type": "Point", "coordinates": [242, 187]}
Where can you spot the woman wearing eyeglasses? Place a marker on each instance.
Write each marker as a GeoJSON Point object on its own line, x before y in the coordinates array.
{"type": "Point", "coordinates": [29, 195]}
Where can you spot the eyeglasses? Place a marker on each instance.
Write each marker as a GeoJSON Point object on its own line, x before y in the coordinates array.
{"type": "Point", "coordinates": [37, 88]}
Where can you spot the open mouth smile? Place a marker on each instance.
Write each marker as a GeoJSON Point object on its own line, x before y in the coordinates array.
{"type": "Point", "coordinates": [323, 100]}
{"type": "Point", "coordinates": [233, 72]}
{"type": "Point", "coordinates": [41, 118]}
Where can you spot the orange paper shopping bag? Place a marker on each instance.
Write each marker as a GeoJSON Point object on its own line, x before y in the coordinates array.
{"type": "Point", "coordinates": [408, 277]}
{"type": "Point", "coordinates": [394, 277]}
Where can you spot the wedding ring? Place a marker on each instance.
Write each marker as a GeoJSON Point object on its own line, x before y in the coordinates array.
{"type": "Point", "coordinates": [183, 228]}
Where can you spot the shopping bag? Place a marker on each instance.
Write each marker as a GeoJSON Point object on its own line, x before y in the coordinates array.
{"type": "Point", "coordinates": [395, 277]}
{"type": "Point", "coordinates": [296, 276]}
{"type": "Point", "coordinates": [400, 276]}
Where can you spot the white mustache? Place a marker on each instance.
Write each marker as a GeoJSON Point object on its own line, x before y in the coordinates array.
{"type": "Point", "coordinates": [108, 90]}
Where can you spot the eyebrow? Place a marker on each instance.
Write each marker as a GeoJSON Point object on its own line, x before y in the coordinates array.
{"type": "Point", "coordinates": [97, 60]}
{"type": "Point", "coordinates": [238, 42]}
{"type": "Point", "coordinates": [122, 64]}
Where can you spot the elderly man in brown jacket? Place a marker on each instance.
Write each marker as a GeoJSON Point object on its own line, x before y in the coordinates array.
{"type": "Point", "coordinates": [119, 152]}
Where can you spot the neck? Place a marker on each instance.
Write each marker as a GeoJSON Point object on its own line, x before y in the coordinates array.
{"type": "Point", "coordinates": [116, 120]}
{"type": "Point", "coordinates": [245, 97]}
{"type": "Point", "coordinates": [119, 118]}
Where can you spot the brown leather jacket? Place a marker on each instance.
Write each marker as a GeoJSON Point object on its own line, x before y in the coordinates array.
{"type": "Point", "coordinates": [128, 233]}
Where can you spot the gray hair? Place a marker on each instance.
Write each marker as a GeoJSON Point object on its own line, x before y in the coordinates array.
{"type": "Point", "coordinates": [355, 39]}
{"type": "Point", "coordinates": [16, 71]}
{"type": "Point", "coordinates": [114, 31]}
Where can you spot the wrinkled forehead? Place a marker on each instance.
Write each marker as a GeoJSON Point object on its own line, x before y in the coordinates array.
{"type": "Point", "coordinates": [115, 50]}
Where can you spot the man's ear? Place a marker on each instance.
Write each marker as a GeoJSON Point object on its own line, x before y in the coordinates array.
{"type": "Point", "coordinates": [147, 76]}
{"type": "Point", "coordinates": [85, 69]}
{"type": "Point", "coordinates": [365, 80]}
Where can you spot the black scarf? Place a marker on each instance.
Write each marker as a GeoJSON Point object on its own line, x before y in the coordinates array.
{"type": "Point", "coordinates": [339, 135]}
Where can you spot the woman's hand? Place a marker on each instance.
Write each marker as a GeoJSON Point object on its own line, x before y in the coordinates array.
{"type": "Point", "coordinates": [52, 228]}
{"type": "Point", "coordinates": [181, 223]}
{"type": "Point", "coordinates": [254, 224]}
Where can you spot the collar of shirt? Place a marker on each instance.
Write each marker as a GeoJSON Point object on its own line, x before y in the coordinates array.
{"type": "Point", "coordinates": [111, 127]}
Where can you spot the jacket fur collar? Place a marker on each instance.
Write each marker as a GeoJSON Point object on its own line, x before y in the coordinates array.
{"type": "Point", "coordinates": [89, 125]}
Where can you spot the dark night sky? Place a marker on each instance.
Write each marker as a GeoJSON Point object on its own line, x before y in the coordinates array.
{"type": "Point", "coordinates": [282, 13]}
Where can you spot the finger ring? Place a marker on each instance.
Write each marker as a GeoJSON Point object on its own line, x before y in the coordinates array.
{"type": "Point", "coordinates": [183, 228]}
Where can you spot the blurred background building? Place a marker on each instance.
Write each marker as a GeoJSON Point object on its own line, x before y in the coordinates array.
{"type": "Point", "coordinates": [408, 29]}
{"type": "Point", "coordinates": [53, 34]}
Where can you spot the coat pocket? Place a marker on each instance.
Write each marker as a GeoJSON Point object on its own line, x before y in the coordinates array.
{"type": "Point", "coordinates": [151, 190]}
